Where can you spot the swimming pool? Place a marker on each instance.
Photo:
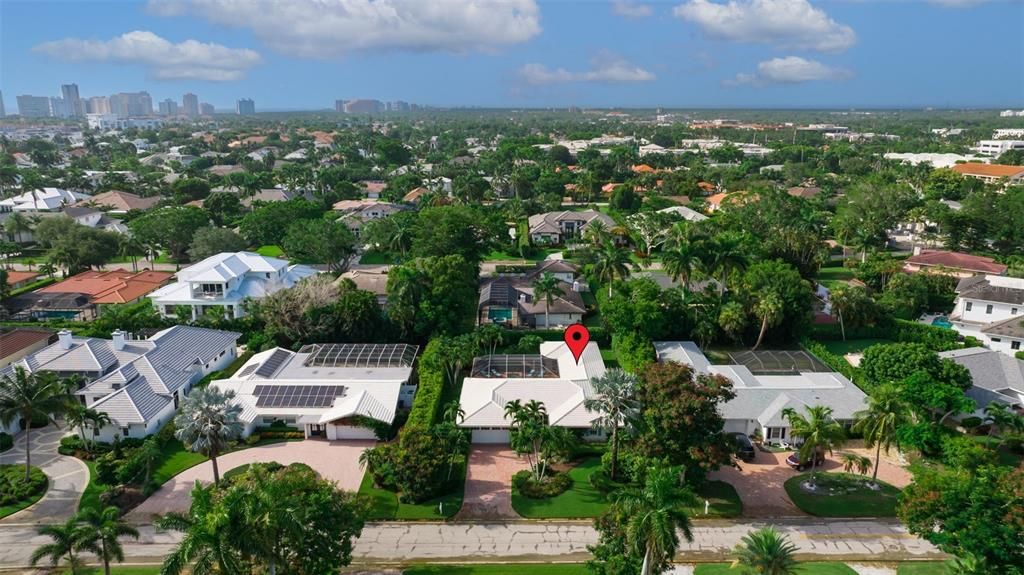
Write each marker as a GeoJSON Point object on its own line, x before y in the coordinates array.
{"type": "Point", "coordinates": [942, 322]}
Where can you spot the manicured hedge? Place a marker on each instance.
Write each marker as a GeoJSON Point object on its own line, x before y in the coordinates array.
{"type": "Point", "coordinates": [427, 404]}
{"type": "Point", "coordinates": [32, 286]}
{"type": "Point", "coordinates": [6, 441]}
{"type": "Point", "coordinates": [14, 488]}
{"type": "Point", "coordinates": [598, 335]}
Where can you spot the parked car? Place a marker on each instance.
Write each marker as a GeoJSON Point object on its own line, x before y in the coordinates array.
{"type": "Point", "coordinates": [744, 447]}
{"type": "Point", "coordinates": [796, 462]}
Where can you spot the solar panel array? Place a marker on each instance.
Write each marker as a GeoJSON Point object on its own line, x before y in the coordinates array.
{"type": "Point", "coordinates": [297, 395]}
{"type": "Point", "coordinates": [360, 355]}
{"type": "Point", "coordinates": [248, 370]}
{"type": "Point", "coordinates": [275, 360]}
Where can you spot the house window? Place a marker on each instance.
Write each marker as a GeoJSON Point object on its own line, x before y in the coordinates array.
{"type": "Point", "coordinates": [212, 289]}
{"type": "Point", "coordinates": [988, 309]}
{"type": "Point", "coordinates": [969, 306]}
{"type": "Point", "coordinates": [1013, 311]}
{"type": "Point", "coordinates": [776, 433]}
{"type": "Point", "coordinates": [95, 432]}
{"type": "Point", "coordinates": [1014, 345]}
{"type": "Point", "coordinates": [124, 431]}
{"type": "Point", "coordinates": [997, 339]}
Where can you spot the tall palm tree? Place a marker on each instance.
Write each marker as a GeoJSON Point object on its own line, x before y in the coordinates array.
{"type": "Point", "coordinates": [129, 246]}
{"type": "Point", "coordinates": [103, 529]}
{"type": "Point", "coordinates": [681, 261]}
{"type": "Point", "coordinates": [615, 401]}
{"type": "Point", "coordinates": [766, 552]}
{"type": "Point", "coordinates": [611, 263]}
{"type": "Point", "coordinates": [726, 255]}
{"type": "Point", "coordinates": [768, 307]}
{"type": "Point", "coordinates": [67, 541]}
{"type": "Point", "coordinates": [886, 412]}
{"type": "Point", "coordinates": [819, 430]}
{"type": "Point", "coordinates": [657, 513]}
{"type": "Point", "coordinates": [547, 287]}
{"type": "Point", "coordinates": [29, 396]}
{"type": "Point", "coordinates": [203, 544]}
{"type": "Point", "coordinates": [16, 225]}
{"type": "Point", "coordinates": [209, 419]}
{"type": "Point", "coordinates": [8, 177]}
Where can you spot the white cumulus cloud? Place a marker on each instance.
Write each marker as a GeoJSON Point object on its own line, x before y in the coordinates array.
{"type": "Point", "coordinates": [630, 9]}
{"type": "Point", "coordinates": [790, 70]}
{"type": "Point", "coordinates": [331, 28]}
{"type": "Point", "coordinates": [789, 24]}
{"type": "Point", "coordinates": [606, 68]}
{"type": "Point", "coordinates": [164, 60]}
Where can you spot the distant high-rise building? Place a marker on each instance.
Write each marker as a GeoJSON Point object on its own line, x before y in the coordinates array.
{"type": "Point", "coordinates": [126, 104]}
{"type": "Point", "coordinates": [206, 109]}
{"type": "Point", "coordinates": [60, 108]}
{"type": "Point", "coordinates": [168, 108]}
{"type": "Point", "coordinates": [363, 106]}
{"type": "Point", "coordinates": [245, 107]}
{"type": "Point", "coordinates": [339, 106]}
{"type": "Point", "coordinates": [190, 105]}
{"type": "Point", "coordinates": [73, 102]}
{"type": "Point", "coordinates": [2, 112]}
{"type": "Point", "coordinates": [34, 106]}
{"type": "Point", "coordinates": [97, 105]}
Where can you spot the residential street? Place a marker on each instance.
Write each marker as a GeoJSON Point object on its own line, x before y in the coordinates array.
{"type": "Point", "coordinates": [532, 541]}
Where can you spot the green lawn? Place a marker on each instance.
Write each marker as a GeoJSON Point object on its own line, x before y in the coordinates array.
{"type": "Point", "coordinates": [91, 495]}
{"type": "Point", "coordinates": [841, 348]}
{"type": "Point", "coordinates": [922, 568]}
{"type": "Point", "coordinates": [579, 501]}
{"type": "Point", "coordinates": [834, 276]}
{"type": "Point", "coordinates": [384, 504]}
{"type": "Point", "coordinates": [809, 568]}
{"type": "Point", "coordinates": [610, 357]}
{"type": "Point", "coordinates": [270, 251]}
{"type": "Point", "coordinates": [175, 459]}
{"type": "Point", "coordinates": [725, 502]}
{"type": "Point", "coordinates": [538, 255]}
{"type": "Point", "coordinates": [500, 569]}
{"type": "Point", "coordinates": [374, 257]}
{"type": "Point", "coordinates": [17, 506]}
{"type": "Point", "coordinates": [850, 498]}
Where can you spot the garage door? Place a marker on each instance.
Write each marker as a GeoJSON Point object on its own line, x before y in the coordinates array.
{"type": "Point", "coordinates": [490, 436]}
{"type": "Point", "coordinates": [735, 426]}
{"type": "Point", "coordinates": [349, 432]}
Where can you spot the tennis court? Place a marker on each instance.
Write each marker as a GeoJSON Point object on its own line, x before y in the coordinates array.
{"type": "Point", "coordinates": [780, 361]}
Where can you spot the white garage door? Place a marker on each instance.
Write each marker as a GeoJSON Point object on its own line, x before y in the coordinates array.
{"type": "Point", "coordinates": [349, 432]}
{"type": "Point", "coordinates": [490, 436]}
{"type": "Point", "coordinates": [735, 426]}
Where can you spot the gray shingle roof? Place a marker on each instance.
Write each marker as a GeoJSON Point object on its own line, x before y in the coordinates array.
{"type": "Point", "coordinates": [995, 375]}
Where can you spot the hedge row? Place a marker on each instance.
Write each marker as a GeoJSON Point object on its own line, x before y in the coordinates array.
{"type": "Point", "coordinates": [32, 286]}
{"type": "Point", "coordinates": [598, 335]}
{"type": "Point", "coordinates": [935, 338]}
{"type": "Point", "coordinates": [427, 404]}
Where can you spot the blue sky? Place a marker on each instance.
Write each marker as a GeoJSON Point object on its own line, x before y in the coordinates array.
{"type": "Point", "coordinates": [519, 53]}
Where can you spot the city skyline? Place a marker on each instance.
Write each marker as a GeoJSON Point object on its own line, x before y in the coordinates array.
{"type": "Point", "coordinates": [522, 53]}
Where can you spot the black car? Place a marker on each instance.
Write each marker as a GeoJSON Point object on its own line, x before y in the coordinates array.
{"type": "Point", "coordinates": [799, 464]}
{"type": "Point", "coordinates": [744, 448]}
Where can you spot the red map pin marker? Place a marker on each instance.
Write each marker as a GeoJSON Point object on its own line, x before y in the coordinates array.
{"type": "Point", "coordinates": [577, 336]}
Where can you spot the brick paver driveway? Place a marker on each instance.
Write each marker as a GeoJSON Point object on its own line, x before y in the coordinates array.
{"type": "Point", "coordinates": [760, 482]}
{"type": "Point", "coordinates": [334, 460]}
{"type": "Point", "coordinates": [67, 476]}
{"type": "Point", "coordinates": [488, 492]}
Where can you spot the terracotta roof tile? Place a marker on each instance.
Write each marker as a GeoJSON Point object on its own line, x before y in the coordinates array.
{"type": "Point", "coordinates": [114, 286]}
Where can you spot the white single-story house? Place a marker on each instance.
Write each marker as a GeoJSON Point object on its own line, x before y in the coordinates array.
{"type": "Point", "coordinates": [328, 390]}
{"type": "Point", "coordinates": [761, 399]}
{"type": "Point", "coordinates": [553, 378]}
{"type": "Point", "coordinates": [137, 383]}
{"type": "Point", "coordinates": [226, 280]}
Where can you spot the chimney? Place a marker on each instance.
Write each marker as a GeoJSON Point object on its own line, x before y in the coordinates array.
{"type": "Point", "coordinates": [118, 337]}
{"type": "Point", "coordinates": [64, 338]}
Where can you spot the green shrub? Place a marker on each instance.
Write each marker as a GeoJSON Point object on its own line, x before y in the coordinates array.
{"type": "Point", "coordinates": [549, 486]}
{"type": "Point", "coordinates": [633, 350]}
{"type": "Point", "coordinates": [14, 488]}
{"type": "Point", "coordinates": [70, 444]}
{"type": "Point", "coordinates": [6, 441]}
{"type": "Point", "coordinates": [971, 422]}
{"type": "Point", "coordinates": [267, 433]}
{"type": "Point", "coordinates": [965, 453]}
{"type": "Point", "coordinates": [834, 361]}
{"type": "Point", "coordinates": [107, 466]}
{"type": "Point", "coordinates": [166, 432]}
{"type": "Point", "coordinates": [528, 344]}
{"type": "Point", "coordinates": [427, 403]}
{"type": "Point", "coordinates": [1019, 355]}
{"type": "Point", "coordinates": [253, 439]}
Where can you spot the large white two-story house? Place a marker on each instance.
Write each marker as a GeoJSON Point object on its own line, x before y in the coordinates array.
{"type": "Point", "coordinates": [559, 227]}
{"type": "Point", "coordinates": [226, 280]}
{"type": "Point", "coordinates": [138, 383]}
{"type": "Point", "coordinates": [991, 308]}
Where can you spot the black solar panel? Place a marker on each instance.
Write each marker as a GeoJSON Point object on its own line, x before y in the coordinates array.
{"type": "Point", "coordinates": [360, 355]}
{"type": "Point", "coordinates": [248, 370]}
{"type": "Point", "coordinates": [270, 366]}
{"type": "Point", "coordinates": [297, 395]}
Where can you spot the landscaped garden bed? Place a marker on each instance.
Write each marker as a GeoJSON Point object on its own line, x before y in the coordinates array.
{"type": "Point", "coordinates": [15, 492]}
{"type": "Point", "coordinates": [842, 495]}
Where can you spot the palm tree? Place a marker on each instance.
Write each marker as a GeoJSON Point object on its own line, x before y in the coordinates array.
{"type": "Point", "coordinates": [16, 225]}
{"type": "Point", "coordinates": [656, 515]}
{"type": "Point", "coordinates": [488, 337]}
{"type": "Point", "coordinates": [614, 399]}
{"type": "Point", "coordinates": [766, 552]}
{"type": "Point", "coordinates": [611, 263]}
{"type": "Point", "coordinates": [30, 396]}
{"type": "Point", "coordinates": [725, 256]}
{"type": "Point", "coordinates": [209, 419]}
{"type": "Point", "coordinates": [453, 412]}
{"type": "Point", "coordinates": [886, 412]}
{"type": "Point", "coordinates": [819, 431]}
{"type": "Point", "coordinates": [680, 261]}
{"type": "Point", "coordinates": [67, 541]}
{"type": "Point", "coordinates": [129, 246]}
{"type": "Point", "coordinates": [547, 287]}
{"type": "Point", "coordinates": [102, 530]}
{"type": "Point", "coordinates": [47, 268]}
{"type": "Point", "coordinates": [8, 177]}
{"type": "Point", "coordinates": [203, 545]}
{"type": "Point", "coordinates": [768, 307]}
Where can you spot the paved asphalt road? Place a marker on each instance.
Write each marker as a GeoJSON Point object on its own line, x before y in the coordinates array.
{"type": "Point", "coordinates": [532, 541]}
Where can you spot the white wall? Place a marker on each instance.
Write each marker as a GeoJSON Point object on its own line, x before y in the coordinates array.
{"type": "Point", "coordinates": [978, 312]}
{"type": "Point", "coordinates": [558, 319]}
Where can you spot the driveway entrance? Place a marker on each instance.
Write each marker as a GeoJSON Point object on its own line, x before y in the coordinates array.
{"type": "Point", "coordinates": [488, 492]}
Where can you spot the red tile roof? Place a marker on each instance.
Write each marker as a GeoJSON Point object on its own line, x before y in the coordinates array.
{"type": "Point", "coordinates": [14, 340]}
{"type": "Point", "coordinates": [114, 286]}
{"type": "Point", "coordinates": [957, 261]}
{"type": "Point", "coordinates": [988, 170]}
{"type": "Point", "coordinates": [16, 277]}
